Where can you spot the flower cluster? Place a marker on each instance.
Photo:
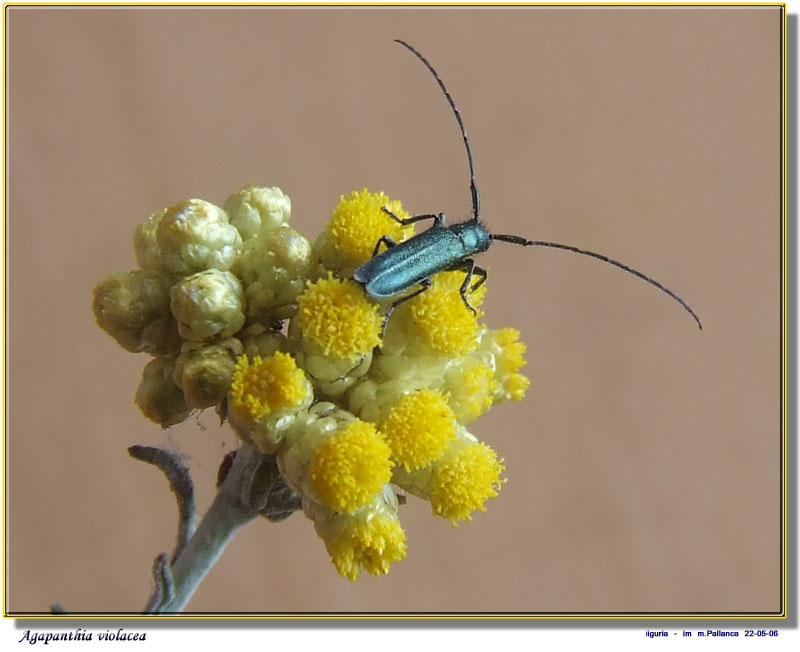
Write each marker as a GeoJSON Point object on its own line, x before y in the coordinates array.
{"type": "Point", "coordinates": [353, 409]}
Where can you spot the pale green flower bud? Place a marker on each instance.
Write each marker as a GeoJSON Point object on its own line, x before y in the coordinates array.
{"type": "Point", "coordinates": [133, 307]}
{"type": "Point", "coordinates": [257, 339]}
{"type": "Point", "coordinates": [208, 305]}
{"type": "Point", "coordinates": [415, 366]}
{"type": "Point", "coordinates": [255, 210]}
{"type": "Point", "coordinates": [158, 397]}
{"type": "Point", "coordinates": [204, 372]}
{"type": "Point", "coordinates": [412, 368]}
{"type": "Point", "coordinates": [273, 268]}
{"type": "Point", "coordinates": [332, 376]}
{"type": "Point", "coordinates": [195, 235]}
{"type": "Point", "coordinates": [370, 399]}
{"type": "Point", "coordinates": [326, 258]}
{"type": "Point", "coordinates": [148, 253]}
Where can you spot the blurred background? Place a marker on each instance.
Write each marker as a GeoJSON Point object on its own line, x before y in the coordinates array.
{"type": "Point", "coordinates": [643, 466]}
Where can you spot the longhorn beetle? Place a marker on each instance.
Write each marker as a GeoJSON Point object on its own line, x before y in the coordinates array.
{"type": "Point", "coordinates": [441, 247]}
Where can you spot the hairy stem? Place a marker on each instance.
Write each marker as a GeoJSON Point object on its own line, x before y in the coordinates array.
{"type": "Point", "coordinates": [227, 514]}
{"type": "Point", "coordinates": [181, 484]}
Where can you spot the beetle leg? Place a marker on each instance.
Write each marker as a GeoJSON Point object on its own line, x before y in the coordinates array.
{"type": "Point", "coordinates": [385, 239]}
{"type": "Point", "coordinates": [425, 283]}
{"type": "Point", "coordinates": [438, 219]}
{"type": "Point", "coordinates": [483, 276]}
{"type": "Point", "coordinates": [468, 265]}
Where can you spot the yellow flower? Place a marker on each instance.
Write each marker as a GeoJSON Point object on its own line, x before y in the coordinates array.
{"type": "Point", "coordinates": [346, 413]}
{"type": "Point", "coordinates": [267, 385]}
{"type": "Point", "coordinates": [373, 544]}
{"type": "Point", "coordinates": [350, 467]}
{"type": "Point", "coordinates": [440, 318]}
{"type": "Point", "coordinates": [336, 316]}
{"type": "Point", "coordinates": [418, 428]}
{"type": "Point", "coordinates": [463, 479]}
{"type": "Point", "coordinates": [371, 538]}
{"type": "Point", "coordinates": [358, 222]}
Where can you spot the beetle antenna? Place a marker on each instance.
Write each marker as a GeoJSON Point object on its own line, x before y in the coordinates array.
{"type": "Point", "coordinates": [476, 199]}
{"type": "Point", "coordinates": [515, 239]}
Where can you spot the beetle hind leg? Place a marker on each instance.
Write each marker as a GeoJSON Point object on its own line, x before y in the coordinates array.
{"type": "Point", "coordinates": [425, 283]}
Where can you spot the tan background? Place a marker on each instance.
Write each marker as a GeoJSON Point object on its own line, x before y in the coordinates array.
{"type": "Point", "coordinates": [643, 467]}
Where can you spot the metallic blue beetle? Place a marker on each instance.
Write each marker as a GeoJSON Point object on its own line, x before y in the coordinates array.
{"type": "Point", "coordinates": [402, 266]}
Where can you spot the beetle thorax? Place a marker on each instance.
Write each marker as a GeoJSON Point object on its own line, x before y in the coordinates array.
{"type": "Point", "coordinates": [473, 235]}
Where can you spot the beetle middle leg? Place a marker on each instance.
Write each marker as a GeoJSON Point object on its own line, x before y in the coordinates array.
{"type": "Point", "coordinates": [385, 239]}
{"type": "Point", "coordinates": [425, 283]}
{"type": "Point", "coordinates": [468, 265]}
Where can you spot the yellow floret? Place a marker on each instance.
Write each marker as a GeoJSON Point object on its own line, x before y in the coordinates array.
{"type": "Point", "coordinates": [442, 320]}
{"type": "Point", "coordinates": [358, 222]}
{"type": "Point", "coordinates": [373, 544]}
{"type": "Point", "coordinates": [350, 467]}
{"type": "Point", "coordinates": [463, 480]}
{"type": "Point", "coordinates": [513, 350]}
{"type": "Point", "coordinates": [418, 428]}
{"type": "Point", "coordinates": [267, 385]}
{"type": "Point", "coordinates": [516, 385]}
{"type": "Point", "coordinates": [471, 391]}
{"type": "Point", "coordinates": [336, 315]}
{"type": "Point", "coordinates": [509, 360]}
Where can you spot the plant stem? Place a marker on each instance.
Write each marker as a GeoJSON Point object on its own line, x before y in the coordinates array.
{"type": "Point", "coordinates": [227, 514]}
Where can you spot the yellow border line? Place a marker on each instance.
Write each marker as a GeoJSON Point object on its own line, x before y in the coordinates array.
{"type": "Point", "coordinates": [500, 5]}
{"type": "Point", "coordinates": [784, 306]}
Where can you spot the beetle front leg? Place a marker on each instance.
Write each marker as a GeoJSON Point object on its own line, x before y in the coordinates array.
{"type": "Point", "coordinates": [468, 265]}
{"type": "Point", "coordinates": [438, 219]}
